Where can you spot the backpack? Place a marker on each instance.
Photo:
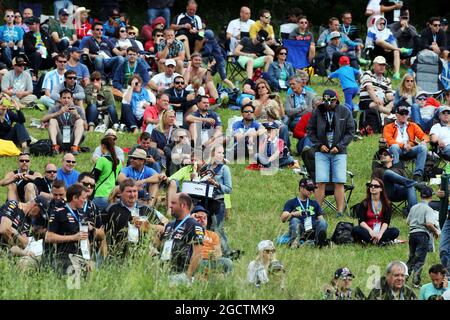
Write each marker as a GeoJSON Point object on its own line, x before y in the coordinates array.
{"type": "Point", "coordinates": [41, 147]}
{"type": "Point", "coordinates": [343, 233]}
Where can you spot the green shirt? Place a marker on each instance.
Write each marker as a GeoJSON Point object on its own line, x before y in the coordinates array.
{"type": "Point", "coordinates": [62, 31]}
{"type": "Point", "coordinates": [184, 174]}
{"type": "Point", "coordinates": [104, 165]}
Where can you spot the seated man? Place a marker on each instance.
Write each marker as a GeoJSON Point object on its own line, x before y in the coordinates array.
{"type": "Point", "coordinates": [53, 79]}
{"type": "Point", "coordinates": [195, 73]}
{"type": "Point", "coordinates": [69, 84]}
{"type": "Point", "coordinates": [336, 49]}
{"type": "Point", "coordinates": [101, 50]}
{"type": "Point", "coordinates": [239, 28]}
{"type": "Point", "coordinates": [433, 38]}
{"type": "Point", "coordinates": [376, 90]}
{"type": "Point", "coordinates": [66, 123]}
{"type": "Point", "coordinates": [183, 101]}
{"type": "Point", "coordinates": [405, 33]}
{"type": "Point", "coordinates": [205, 126]}
{"type": "Point", "coordinates": [211, 250]}
{"type": "Point", "coordinates": [401, 137]}
{"type": "Point", "coordinates": [333, 24]}
{"type": "Point", "coordinates": [347, 27]}
{"type": "Point", "coordinates": [62, 32]}
{"type": "Point", "coordinates": [20, 181]}
{"type": "Point", "coordinates": [74, 64]}
{"type": "Point", "coordinates": [164, 80]}
{"type": "Point", "coordinates": [44, 185]}
{"type": "Point", "coordinates": [439, 133]}
{"type": "Point", "coordinates": [18, 84]}
{"type": "Point", "coordinates": [12, 124]}
{"type": "Point", "coordinates": [67, 173]}
{"type": "Point", "coordinates": [170, 48]}
{"type": "Point", "coordinates": [397, 186]}
{"type": "Point", "coordinates": [438, 285]}
{"type": "Point", "coordinates": [305, 217]}
{"type": "Point", "coordinates": [11, 38]}
{"type": "Point", "coordinates": [146, 178]}
{"type": "Point", "coordinates": [263, 24]}
{"type": "Point", "coordinates": [254, 53]}
{"type": "Point", "coordinates": [152, 113]}
{"type": "Point", "coordinates": [131, 66]}
{"type": "Point", "coordinates": [299, 102]}
{"type": "Point", "coordinates": [153, 158]}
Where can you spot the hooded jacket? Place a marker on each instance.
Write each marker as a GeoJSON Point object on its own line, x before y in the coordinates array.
{"type": "Point", "coordinates": [374, 33]}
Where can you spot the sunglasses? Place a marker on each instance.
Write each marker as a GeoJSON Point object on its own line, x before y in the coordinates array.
{"type": "Point", "coordinates": [247, 111]}
{"type": "Point", "coordinates": [303, 22]}
{"type": "Point", "coordinates": [261, 87]}
{"type": "Point", "coordinates": [64, 61]}
{"type": "Point", "coordinates": [131, 33]}
{"type": "Point", "coordinates": [329, 99]}
{"type": "Point", "coordinates": [283, 53]}
{"type": "Point", "coordinates": [123, 31]}
{"type": "Point", "coordinates": [382, 24]}
{"type": "Point", "coordinates": [268, 17]}
{"type": "Point", "coordinates": [96, 79]}
{"type": "Point", "coordinates": [71, 161]}
{"type": "Point", "coordinates": [446, 112]}
{"type": "Point", "coordinates": [51, 171]}
{"type": "Point", "coordinates": [347, 278]}
{"type": "Point", "coordinates": [97, 29]}
{"type": "Point", "coordinates": [159, 36]}
{"type": "Point", "coordinates": [411, 81]}
{"type": "Point", "coordinates": [88, 185]}
{"type": "Point", "coordinates": [385, 154]}
{"type": "Point", "coordinates": [375, 186]}
{"type": "Point", "coordinates": [403, 113]}
{"type": "Point", "coordinates": [133, 158]}
{"type": "Point", "coordinates": [71, 78]}
{"type": "Point", "coordinates": [9, 16]}
{"type": "Point", "coordinates": [179, 82]}
{"type": "Point", "coordinates": [269, 251]}
{"type": "Point", "coordinates": [24, 160]}
{"type": "Point", "coordinates": [17, 16]}
{"type": "Point", "coordinates": [421, 98]}
{"type": "Point", "coordinates": [436, 25]}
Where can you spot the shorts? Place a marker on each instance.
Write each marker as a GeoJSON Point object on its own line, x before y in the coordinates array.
{"type": "Point", "coordinates": [257, 63]}
{"type": "Point", "coordinates": [336, 163]}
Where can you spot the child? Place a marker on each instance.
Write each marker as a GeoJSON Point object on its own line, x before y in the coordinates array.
{"type": "Point", "coordinates": [347, 76]}
{"type": "Point", "coordinates": [423, 225]}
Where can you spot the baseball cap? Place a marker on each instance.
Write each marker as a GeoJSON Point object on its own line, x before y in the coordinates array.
{"type": "Point", "coordinates": [43, 204]}
{"type": "Point", "coordinates": [75, 49]}
{"type": "Point", "coordinates": [426, 192]}
{"type": "Point", "coordinates": [335, 34]}
{"type": "Point", "coordinates": [170, 62]}
{"type": "Point", "coordinates": [444, 108]}
{"type": "Point", "coordinates": [329, 93]}
{"type": "Point", "coordinates": [111, 132]}
{"type": "Point", "coordinates": [384, 150]}
{"type": "Point", "coordinates": [275, 266]}
{"type": "Point", "coordinates": [63, 11]}
{"type": "Point", "coordinates": [307, 184]}
{"type": "Point", "coordinates": [139, 154]}
{"type": "Point", "coordinates": [401, 109]}
{"type": "Point", "coordinates": [262, 35]}
{"type": "Point", "coordinates": [19, 61]}
{"type": "Point", "coordinates": [422, 93]}
{"type": "Point", "coordinates": [444, 21]}
{"type": "Point", "coordinates": [266, 245]}
{"type": "Point", "coordinates": [31, 20]}
{"type": "Point", "coordinates": [379, 60]}
{"type": "Point", "coordinates": [344, 61]}
{"type": "Point", "coordinates": [343, 272]}
{"type": "Point", "coordinates": [270, 125]}
{"type": "Point", "coordinates": [199, 208]}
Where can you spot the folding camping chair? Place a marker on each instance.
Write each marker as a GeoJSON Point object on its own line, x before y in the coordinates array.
{"type": "Point", "coordinates": [234, 69]}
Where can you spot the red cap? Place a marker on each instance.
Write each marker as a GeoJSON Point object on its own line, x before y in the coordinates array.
{"type": "Point", "coordinates": [432, 102]}
{"type": "Point", "coordinates": [344, 61]}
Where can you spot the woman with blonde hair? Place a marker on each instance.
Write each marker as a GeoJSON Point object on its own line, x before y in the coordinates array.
{"type": "Point", "coordinates": [407, 90]}
{"type": "Point", "coordinates": [162, 135]}
{"type": "Point", "coordinates": [258, 270]}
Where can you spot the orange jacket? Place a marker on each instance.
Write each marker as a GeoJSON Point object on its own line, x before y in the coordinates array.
{"type": "Point", "coordinates": [414, 132]}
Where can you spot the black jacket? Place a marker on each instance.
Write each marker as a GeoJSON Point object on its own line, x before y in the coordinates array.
{"type": "Point", "coordinates": [343, 124]}
{"type": "Point", "coordinates": [16, 116]}
{"type": "Point", "coordinates": [426, 38]}
{"type": "Point", "coordinates": [29, 43]}
{"type": "Point", "coordinates": [361, 213]}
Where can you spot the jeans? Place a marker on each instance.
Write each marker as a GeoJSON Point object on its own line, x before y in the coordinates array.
{"type": "Point", "coordinates": [284, 134]}
{"type": "Point", "coordinates": [100, 64]}
{"type": "Point", "coordinates": [419, 152]}
{"type": "Point", "coordinates": [217, 223]}
{"type": "Point", "coordinates": [297, 229]}
{"type": "Point", "coordinates": [157, 12]}
{"type": "Point", "coordinates": [225, 265]}
{"type": "Point", "coordinates": [446, 151]}
{"type": "Point", "coordinates": [47, 101]}
{"type": "Point", "coordinates": [304, 142]}
{"type": "Point", "coordinates": [418, 248]}
{"type": "Point", "coordinates": [17, 134]}
{"type": "Point", "coordinates": [219, 67]}
{"type": "Point", "coordinates": [59, 4]}
{"type": "Point", "coordinates": [361, 234]}
{"type": "Point", "coordinates": [417, 118]}
{"type": "Point", "coordinates": [336, 163]}
{"type": "Point", "coordinates": [399, 188]}
{"type": "Point", "coordinates": [349, 94]}
{"type": "Point", "coordinates": [92, 114]}
{"type": "Point", "coordinates": [7, 56]}
{"type": "Point", "coordinates": [100, 202]}
{"type": "Point", "coordinates": [128, 117]}
{"type": "Point", "coordinates": [444, 246]}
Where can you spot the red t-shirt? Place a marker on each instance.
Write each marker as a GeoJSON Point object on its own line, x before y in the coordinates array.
{"type": "Point", "coordinates": [371, 220]}
{"type": "Point", "coordinates": [150, 112]}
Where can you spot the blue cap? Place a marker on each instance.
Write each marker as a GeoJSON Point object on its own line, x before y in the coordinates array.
{"type": "Point", "coordinates": [75, 49]}
{"type": "Point", "coordinates": [209, 34]}
{"type": "Point", "coordinates": [63, 11]}
{"type": "Point", "coordinates": [199, 208]}
{"type": "Point", "coordinates": [270, 125]}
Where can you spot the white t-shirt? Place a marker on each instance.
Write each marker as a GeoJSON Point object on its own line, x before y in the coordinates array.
{"type": "Point", "coordinates": [256, 273]}
{"type": "Point", "coordinates": [427, 112]}
{"type": "Point", "coordinates": [443, 133]}
{"type": "Point", "coordinates": [162, 80]}
{"type": "Point", "coordinates": [374, 5]}
{"type": "Point", "coordinates": [236, 26]}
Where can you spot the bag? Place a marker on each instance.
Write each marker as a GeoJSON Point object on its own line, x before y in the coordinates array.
{"type": "Point", "coordinates": [343, 233]}
{"type": "Point", "coordinates": [370, 122]}
{"type": "Point", "coordinates": [431, 169]}
{"type": "Point", "coordinates": [8, 148]}
{"type": "Point", "coordinates": [41, 147]}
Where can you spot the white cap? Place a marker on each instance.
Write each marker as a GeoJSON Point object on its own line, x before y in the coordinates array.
{"type": "Point", "coordinates": [170, 62]}
{"type": "Point", "coordinates": [266, 245]}
{"type": "Point", "coordinates": [379, 60]}
{"type": "Point", "coordinates": [110, 132]}
{"type": "Point", "coordinates": [335, 34]}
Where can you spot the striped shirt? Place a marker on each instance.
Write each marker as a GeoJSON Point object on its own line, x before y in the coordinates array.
{"type": "Point", "coordinates": [52, 80]}
{"type": "Point", "coordinates": [381, 86]}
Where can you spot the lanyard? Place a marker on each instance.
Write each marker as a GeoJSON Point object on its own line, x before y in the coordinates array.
{"type": "Point", "coordinates": [376, 211]}
{"type": "Point", "coordinates": [434, 37]}
{"type": "Point", "coordinates": [7, 118]}
{"type": "Point", "coordinates": [330, 119]}
{"type": "Point", "coordinates": [170, 135]}
{"type": "Point", "coordinates": [48, 185]}
{"type": "Point", "coordinates": [346, 29]}
{"type": "Point", "coordinates": [85, 209]}
{"type": "Point", "coordinates": [176, 94]}
{"type": "Point", "coordinates": [128, 67]}
{"type": "Point", "coordinates": [75, 215]}
{"type": "Point", "coordinates": [137, 178]}
{"type": "Point", "coordinates": [66, 118]}
{"type": "Point", "coordinates": [301, 205]}
{"type": "Point", "coordinates": [179, 226]}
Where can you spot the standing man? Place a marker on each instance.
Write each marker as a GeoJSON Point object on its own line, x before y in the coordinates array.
{"type": "Point", "coordinates": [263, 24]}
{"type": "Point", "coordinates": [67, 173]}
{"type": "Point", "coordinates": [239, 28]}
{"type": "Point", "coordinates": [331, 130]}
{"type": "Point", "coordinates": [182, 240]}
{"type": "Point", "coordinates": [305, 217]}
{"type": "Point", "coordinates": [18, 84]}
{"type": "Point", "coordinates": [401, 137]}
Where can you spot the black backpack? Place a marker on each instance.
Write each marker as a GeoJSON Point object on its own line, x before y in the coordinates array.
{"type": "Point", "coordinates": [343, 233]}
{"type": "Point", "coordinates": [41, 147]}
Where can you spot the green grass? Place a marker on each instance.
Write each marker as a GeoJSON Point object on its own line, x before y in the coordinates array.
{"type": "Point", "coordinates": [257, 203]}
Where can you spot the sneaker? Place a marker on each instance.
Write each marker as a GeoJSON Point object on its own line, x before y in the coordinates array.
{"type": "Point", "coordinates": [116, 126]}
{"type": "Point", "coordinates": [75, 150]}
{"type": "Point", "coordinates": [406, 51]}
{"type": "Point", "coordinates": [339, 215]}
{"type": "Point", "coordinates": [224, 100]}
{"type": "Point", "coordinates": [55, 149]}
{"type": "Point", "coordinates": [122, 127]}
{"type": "Point", "coordinates": [363, 62]}
{"type": "Point", "coordinates": [396, 76]}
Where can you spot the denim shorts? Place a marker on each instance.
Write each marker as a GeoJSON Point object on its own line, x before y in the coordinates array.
{"type": "Point", "coordinates": [336, 162]}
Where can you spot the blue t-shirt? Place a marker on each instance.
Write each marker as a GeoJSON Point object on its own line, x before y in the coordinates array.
{"type": "Point", "coordinates": [14, 34]}
{"type": "Point", "coordinates": [80, 69]}
{"type": "Point", "coordinates": [347, 76]}
{"type": "Point", "coordinates": [68, 178]}
{"type": "Point", "coordinates": [239, 126]}
{"type": "Point", "coordinates": [428, 290]}
{"type": "Point", "coordinates": [211, 115]}
{"type": "Point", "coordinates": [145, 173]}
{"type": "Point", "coordinates": [313, 210]}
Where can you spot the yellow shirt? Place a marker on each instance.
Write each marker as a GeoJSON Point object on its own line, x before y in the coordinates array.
{"type": "Point", "coordinates": [254, 29]}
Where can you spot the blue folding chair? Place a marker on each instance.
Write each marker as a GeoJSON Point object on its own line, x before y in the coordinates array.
{"type": "Point", "coordinates": [298, 53]}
